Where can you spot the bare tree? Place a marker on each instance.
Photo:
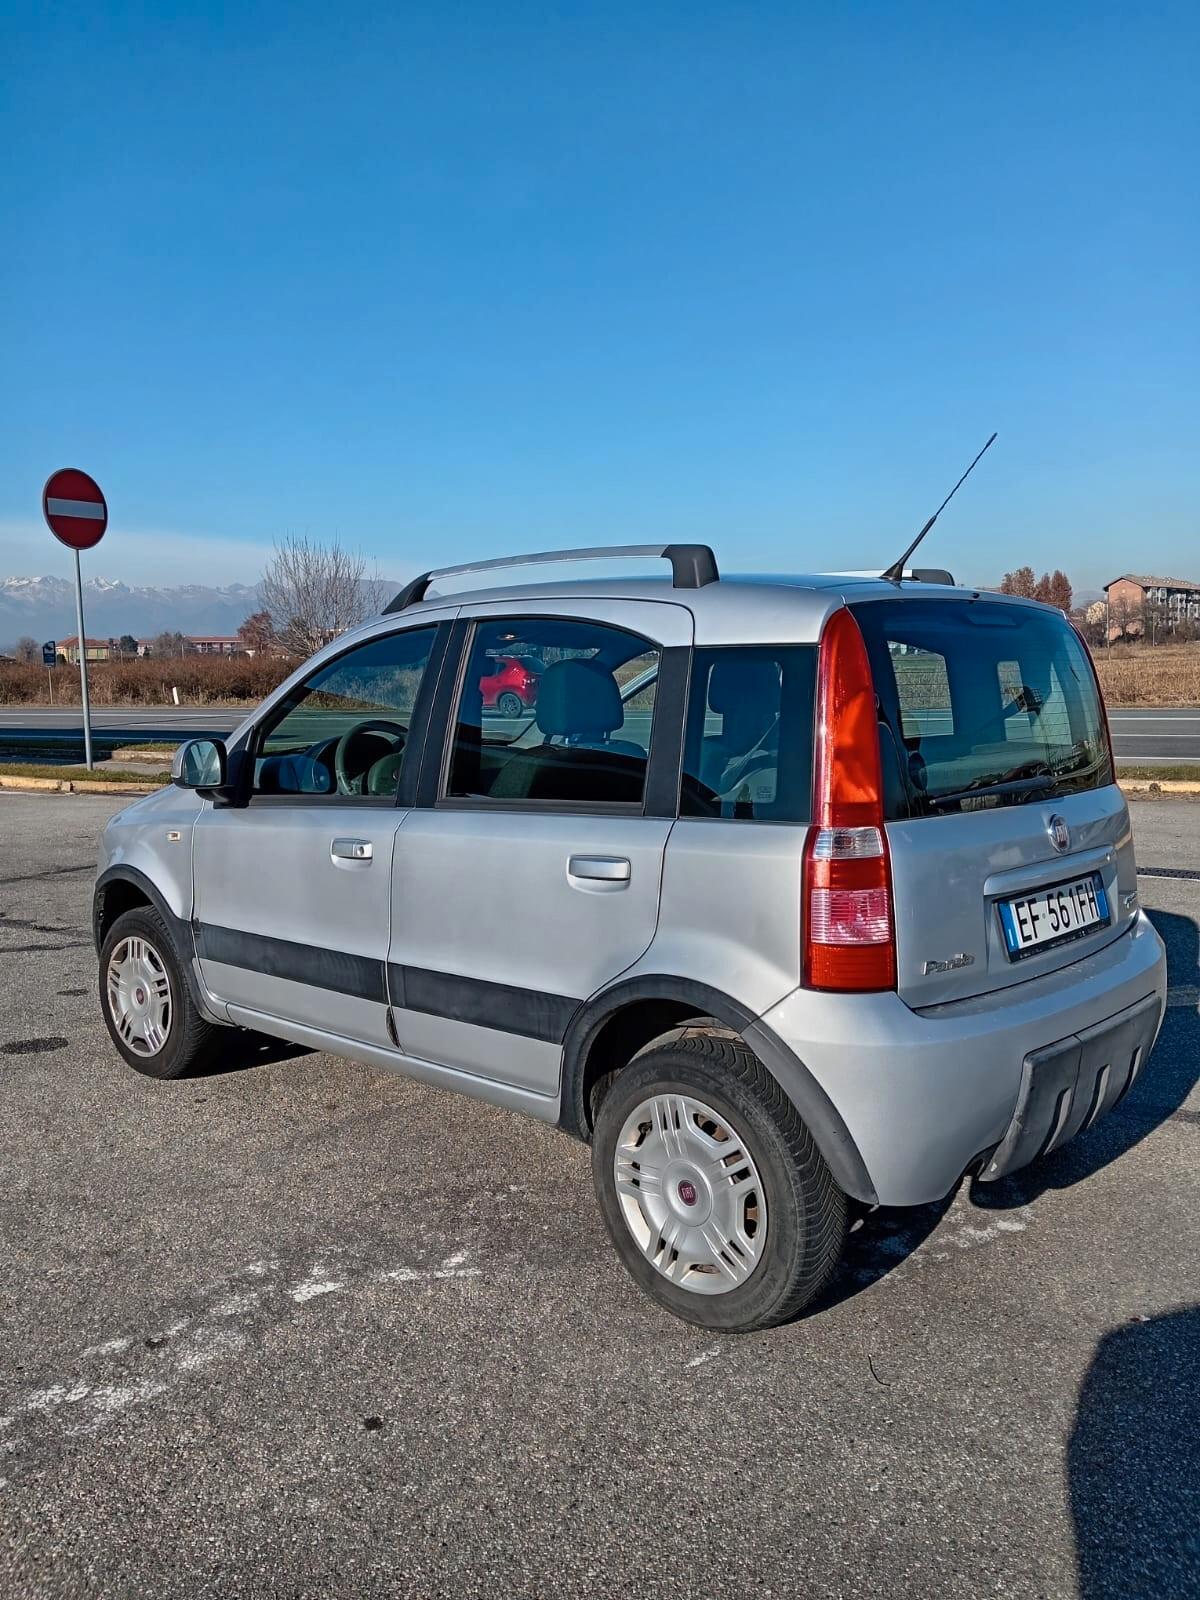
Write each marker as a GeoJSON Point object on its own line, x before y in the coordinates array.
{"type": "Point", "coordinates": [257, 632]}
{"type": "Point", "coordinates": [1021, 582]}
{"type": "Point", "coordinates": [314, 592]}
{"type": "Point", "coordinates": [27, 651]}
{"type": "Point", "coordinates": [164, 646]}
{"type": "Point", "coordinates": [1124, 619]}
{"type": "Point", "coordinates": [1059, 591]}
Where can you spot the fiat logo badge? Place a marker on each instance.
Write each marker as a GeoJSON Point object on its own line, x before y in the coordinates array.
{"type": "Point", "coordinates": [1060, 834]}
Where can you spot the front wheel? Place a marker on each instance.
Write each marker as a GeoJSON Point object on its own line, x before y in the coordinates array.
{"type": "Point", "coordinates": [713, 1192]}
{"type": "Point", "coordinates": [147, 1005]}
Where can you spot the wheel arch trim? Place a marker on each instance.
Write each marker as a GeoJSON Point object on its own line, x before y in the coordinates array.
{"type": "Point", "coordinates": [180, 928]}
{"type": "Point", "coordinates": [830, 1133]}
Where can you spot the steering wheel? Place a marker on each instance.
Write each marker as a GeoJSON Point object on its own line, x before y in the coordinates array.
{"type": "Point", "coordinates": [354, 785]}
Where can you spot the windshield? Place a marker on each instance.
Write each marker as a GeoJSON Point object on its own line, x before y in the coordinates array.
{"type": "Point", "coordinates": [981, 704]}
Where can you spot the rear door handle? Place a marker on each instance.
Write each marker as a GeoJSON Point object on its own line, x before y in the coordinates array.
{"type": "Point", "coordinates": [351, 849]}
{"type": "Point", "coordinates": [609, 872]}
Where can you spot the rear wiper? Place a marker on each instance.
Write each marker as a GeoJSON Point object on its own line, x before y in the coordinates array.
{"type": "Point", "coordinates": [998, 783]}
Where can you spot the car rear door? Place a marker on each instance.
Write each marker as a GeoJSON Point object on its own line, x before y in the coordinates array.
{"type": "Point", "coordinates": [1004, 820]}
{"type": "Point", "coordinates": [529, 876]}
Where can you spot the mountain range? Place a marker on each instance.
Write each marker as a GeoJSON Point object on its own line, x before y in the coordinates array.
{"type": "Point", "coordinates": [45, 608]}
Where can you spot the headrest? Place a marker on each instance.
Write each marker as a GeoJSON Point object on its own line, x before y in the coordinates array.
{"type": "Point", "coordinates": [737, 684]}
{"type": "Point", "coordinates": [578, 700]}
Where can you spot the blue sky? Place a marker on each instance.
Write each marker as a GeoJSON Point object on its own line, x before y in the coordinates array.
{"type": "Point", "coordinates": [453, 279]}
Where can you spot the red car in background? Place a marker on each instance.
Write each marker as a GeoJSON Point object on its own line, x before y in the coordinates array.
{"type": "Point", "coordinates": [511, 687]}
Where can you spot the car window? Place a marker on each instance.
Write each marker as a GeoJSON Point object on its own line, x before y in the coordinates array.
{"type": "Point", "coordinates": [981, 704]}
{"type": "Point", "coordinates": [344, 729]}
{"type": "Point", "coordinates": [748, 745]}
{"type": "Point", "coordinates": [571, 740]}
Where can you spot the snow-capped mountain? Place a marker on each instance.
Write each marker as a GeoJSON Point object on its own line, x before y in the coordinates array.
{"type": "Point", "coordinates": [45, 608]}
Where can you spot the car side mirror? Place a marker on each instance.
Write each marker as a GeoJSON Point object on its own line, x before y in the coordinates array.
{"type": "Point", "coordinates": [200, 764]}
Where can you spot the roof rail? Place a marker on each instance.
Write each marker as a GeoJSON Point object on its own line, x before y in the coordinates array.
{"type": "Point", "coordinates": [692, 566]}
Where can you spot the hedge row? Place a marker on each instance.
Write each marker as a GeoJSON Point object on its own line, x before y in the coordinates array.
{"type": "Point", "coordinates": [201, 680]}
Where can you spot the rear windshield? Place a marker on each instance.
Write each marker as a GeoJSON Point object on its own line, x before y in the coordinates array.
{"type": "Point", "coordinates": [981, 704]}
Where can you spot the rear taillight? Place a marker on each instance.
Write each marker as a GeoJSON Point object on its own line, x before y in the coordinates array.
{"type": "Point", "coordinates": [849, 928]}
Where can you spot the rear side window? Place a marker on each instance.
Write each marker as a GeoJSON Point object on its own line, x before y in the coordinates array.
{"type": "Point", "coordinates": [571, 723]}
{"type": "Point", "coordinates": [981, 704]}
{"type": "Point", "coordinates": [748, 745]}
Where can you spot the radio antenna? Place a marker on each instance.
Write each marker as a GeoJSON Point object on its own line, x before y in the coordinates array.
{"type": "Point", "coordinates": [896, 571]}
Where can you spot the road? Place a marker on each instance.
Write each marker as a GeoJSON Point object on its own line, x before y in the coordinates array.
{"type": "Point", "coordinates": [1144, 735]}
{"type": "Point", "coordinates": [301, 1327]}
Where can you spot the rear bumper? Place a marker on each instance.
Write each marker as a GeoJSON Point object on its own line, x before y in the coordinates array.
{"type": "Point", "coordinates": [924, 1094]}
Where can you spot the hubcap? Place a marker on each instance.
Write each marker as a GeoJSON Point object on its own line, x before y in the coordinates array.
{"type": "Point", "coordinates": [690, 1194]}
{"type": "Point", "coordinates": [139, 996]}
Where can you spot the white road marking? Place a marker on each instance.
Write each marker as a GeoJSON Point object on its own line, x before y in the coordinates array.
{"type": "Point", "coordinates": [314, 1286]}
{"type": "Point", "coordinates": [705, 1355]}
{"type": "Point", "coordinates": [187, 1345]}
{"type": "Point", "coordinates": [110, 1347]}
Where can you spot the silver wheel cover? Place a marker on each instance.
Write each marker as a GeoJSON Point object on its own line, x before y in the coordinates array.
{"type": "Point", "coordinates": [139, 996]}
{"type": "Point", "coordinates": [690, 1194]}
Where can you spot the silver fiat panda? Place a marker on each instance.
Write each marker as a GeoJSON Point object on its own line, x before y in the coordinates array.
{"type": "Point", "coordinates": [788, 895]}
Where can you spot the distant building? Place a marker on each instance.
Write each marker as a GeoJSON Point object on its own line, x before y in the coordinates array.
{"type": "Point", "coordinates": [204, 644]}
{"type": "Point", "coordinates": [216, 644]}
{"type": "Point", "coordinates": [1132, 599]}
{"type": "Point", "coordinates": [96, 649]}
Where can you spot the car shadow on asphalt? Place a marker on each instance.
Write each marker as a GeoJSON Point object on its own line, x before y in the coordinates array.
{"type": "Point", "coordinates": [1133, 1461]}
{"type": "Point", "coordinates": [1159, 1093]}
{"type": "Point", "coordinates": [878, 1242]}
{"type": "Point", "coordinates": [244, 1049]}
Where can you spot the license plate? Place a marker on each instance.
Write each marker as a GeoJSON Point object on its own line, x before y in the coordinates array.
{"type": "Point", "coordinates": [1054, 915]}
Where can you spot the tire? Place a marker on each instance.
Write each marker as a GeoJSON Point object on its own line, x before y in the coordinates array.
{"type": "Point", "coordinates": [510, 704]}
{"type": "Point", "coordinates": [784, 1187]}
{"type": "Point", "coordinates": [188, 1039]}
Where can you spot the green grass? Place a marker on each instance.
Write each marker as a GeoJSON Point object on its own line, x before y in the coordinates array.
{"type": "Point", "coordinates": [101, 774]}
{"type": "Point", "coordinates": [1171, 772]}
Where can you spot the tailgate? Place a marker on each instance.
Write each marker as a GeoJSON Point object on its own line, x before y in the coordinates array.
{"type": "Point", "coordinates": [1010, 846]}
{"type": "Point", "coordinates": [951, 876]}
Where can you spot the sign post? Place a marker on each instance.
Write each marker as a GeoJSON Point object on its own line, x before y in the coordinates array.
{"type": "Point", "coordinates": [76, 514]}
{"type": "Point", "coordinates": [49, 657]}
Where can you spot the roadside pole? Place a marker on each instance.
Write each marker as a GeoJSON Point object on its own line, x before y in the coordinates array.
{"type": "Point", "coordinates": [77, 515]}
{"type": "Point", "coordinates": [83, 683]}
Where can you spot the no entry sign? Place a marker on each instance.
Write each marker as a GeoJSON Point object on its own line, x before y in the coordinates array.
{"type": "Point", "coordinates": [74, 508]}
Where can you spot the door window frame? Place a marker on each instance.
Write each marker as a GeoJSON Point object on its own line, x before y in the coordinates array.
{"type": "Point", "coordinates": [249, 747]}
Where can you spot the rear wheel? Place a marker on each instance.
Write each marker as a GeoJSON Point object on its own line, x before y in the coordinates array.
{"type": "Point", "coordinates": [144, 995]}
{"type": "Point", "coordinates": [510, 705]}
{"type": "Point", "coordinates": [714, 1194]}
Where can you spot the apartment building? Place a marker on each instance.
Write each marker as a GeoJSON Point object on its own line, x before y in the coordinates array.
{"type": "Point", "coordinates": [1137, 604]}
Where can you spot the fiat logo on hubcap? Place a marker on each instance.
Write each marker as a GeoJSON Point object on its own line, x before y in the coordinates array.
{"type": "Point", "coordinates": [687, 1193]}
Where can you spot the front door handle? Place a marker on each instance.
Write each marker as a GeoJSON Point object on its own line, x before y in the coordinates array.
{"type": "Point", "coordinates": [611, 872]}
{"type": "Point", "coordinates": [351, 849]}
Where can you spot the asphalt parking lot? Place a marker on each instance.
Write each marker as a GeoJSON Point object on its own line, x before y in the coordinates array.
{"type": "Point", "coordinates": [303, 1328]}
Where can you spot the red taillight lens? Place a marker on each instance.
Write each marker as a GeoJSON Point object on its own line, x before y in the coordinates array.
{"type": "Point", "coordinates": [849, 932]}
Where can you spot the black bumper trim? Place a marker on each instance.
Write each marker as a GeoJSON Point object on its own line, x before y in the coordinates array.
{"type": "Point", "coordinates": [1071, 1083]}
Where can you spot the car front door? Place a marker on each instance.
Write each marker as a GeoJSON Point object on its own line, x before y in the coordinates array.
{"type": "Point", "coordinates": [529, 876]}
{"type": "Point", "coordinates": [293, 887]}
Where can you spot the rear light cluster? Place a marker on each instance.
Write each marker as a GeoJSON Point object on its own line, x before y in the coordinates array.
{"type": "Point", "coordinates": [849, 926]}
